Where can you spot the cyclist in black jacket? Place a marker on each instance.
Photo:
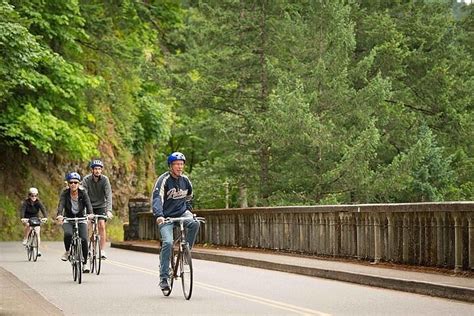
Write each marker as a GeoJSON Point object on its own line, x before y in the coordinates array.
{"type": "Point", "coordinates": [31, 208]}
{"type": "Point", "coordinates": [74, 202]}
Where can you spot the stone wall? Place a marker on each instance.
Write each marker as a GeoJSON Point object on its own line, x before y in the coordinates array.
{"type": "Point", "coordinates": [135, 207]}
{"type": "Point", "coordinates": [425, 234]}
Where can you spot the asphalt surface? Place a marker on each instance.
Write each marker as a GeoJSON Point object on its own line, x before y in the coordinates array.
{"type": "Point", "coordinates": [452, 286]}
{"type": "Point", "coordinates": [14, 293]}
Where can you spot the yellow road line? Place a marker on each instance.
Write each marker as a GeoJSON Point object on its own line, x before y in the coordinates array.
{"type": "Point", "coordinates": [131, 267]}
{"type": "Point", "coordinates": [248, 297]}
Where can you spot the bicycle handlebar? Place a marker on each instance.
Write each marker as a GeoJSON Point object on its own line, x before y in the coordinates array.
{"type": "Point", "coordinates": [100, 216]}
{"type": "Point", "coordinates": [179, 219]}
{"type": "Point", "coordinates": [42, 220]}
{"type": "Point", "coordinates": [74, 219]}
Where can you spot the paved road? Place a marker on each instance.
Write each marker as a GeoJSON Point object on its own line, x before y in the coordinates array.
{"type": "Point", "coordinates": [128, 286]}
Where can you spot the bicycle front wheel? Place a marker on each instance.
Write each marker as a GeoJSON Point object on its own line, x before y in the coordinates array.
{"type": "Point", "coordinates": [72, 259]}
{"type": "Point", "coordinates": [29, 250]}
{"type": "Point", "coordinates": [34, 246]}
{"type": "Point", "coordinates": [186, 273]}
{"type": "Point", "coordinates": [78, 260]}
{"type": "Point", "coordinates": [91, 254]}
{"type": "Point", "coordinates": [98, 254]}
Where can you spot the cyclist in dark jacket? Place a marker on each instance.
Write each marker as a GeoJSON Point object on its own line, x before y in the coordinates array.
{"type": "Point", "coordinates": [172, 195]}
{"type": "Point", "coordinates": [74, 202]}
{"type": "Point", "coordinates": [31, 208]}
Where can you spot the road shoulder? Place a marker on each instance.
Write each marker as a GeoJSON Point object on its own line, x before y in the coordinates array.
{"type": "Point", "coordinates": [17, 298]}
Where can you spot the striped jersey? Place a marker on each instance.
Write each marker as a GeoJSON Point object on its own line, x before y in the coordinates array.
{"type": "Point", "coordinates": [171, 196]}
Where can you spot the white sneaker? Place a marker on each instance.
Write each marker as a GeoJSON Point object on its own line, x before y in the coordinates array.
{"type": "Point", "coordinates": [104, 255]}
{"type": "Point", "coordinates": [24, 242]}
{"type": "Point", "coordinates": [65, 256]}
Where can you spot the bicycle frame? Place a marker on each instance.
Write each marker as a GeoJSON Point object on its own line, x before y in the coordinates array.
{"type": "Point", "coordinates": [95, 250]}
{"type": "Point", "coordinates": [180, 260]}
{"type": "Point", "coordinates": [32, 244]}
{"type": "Point", "coordinates": [75, 251]}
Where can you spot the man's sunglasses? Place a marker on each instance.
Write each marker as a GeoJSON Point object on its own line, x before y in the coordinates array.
{"type": "Point", "coordinates": [73, 182]}
{"type": "Point", "coordinates": [32, 195]}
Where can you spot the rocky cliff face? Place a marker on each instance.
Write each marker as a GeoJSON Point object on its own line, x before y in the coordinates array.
{"type": "Point", "coordinates": [130, 177]}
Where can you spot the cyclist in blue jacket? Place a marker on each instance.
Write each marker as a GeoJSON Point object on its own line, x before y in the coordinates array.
{"type": "Point", "coordinates": [172, 196]}
{"type": "Point", "coordinates": [74, 202]}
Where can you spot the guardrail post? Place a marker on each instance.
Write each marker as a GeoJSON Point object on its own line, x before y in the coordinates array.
{"type": "Point", "coordinates": [313, 226]}
{"type": "Point", "coordinates": [439, 240]}
{"type": "Point", "coordinates": [433, 241]}
{"type": "Point", "coordinates": [406, 236]}
{"type": "Point", "coordinates": [457, 242]}
{"type": "Point", "coordinates": [324, 234]}
{"type": "Point", "coordinates": [471, 241]}
{"type": "Point", "coordinates": [353, 237]}
{"type": "Point", "coordinates": [359, 233]}
{"type": "Point", "coordinates": [421, 241]}
{"type": "Point", "coordinates": [391, 237]}
{"type": "Point", "coordinates": [343, 234]}
{"type": "Point", "coordinates": [332, 234]}
{"type": "Point", "coordinates": [377, 239]}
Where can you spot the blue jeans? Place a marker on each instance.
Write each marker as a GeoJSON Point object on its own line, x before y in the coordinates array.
{"type": "Point", "coordinates": [166, 231]}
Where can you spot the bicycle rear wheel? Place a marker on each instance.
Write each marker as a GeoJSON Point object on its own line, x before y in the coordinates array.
{"type": "Point", "coordinates": [78, 260]}
{"type": "Point", "coordinates": [98, 252]}
{"type": "Point", "coordinates": [186, 273]}
{"type": "Point", "coordinates": [34, 245]}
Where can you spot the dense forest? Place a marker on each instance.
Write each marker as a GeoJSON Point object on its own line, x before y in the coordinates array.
{"type": "Point", "coordinates": [273, 102]}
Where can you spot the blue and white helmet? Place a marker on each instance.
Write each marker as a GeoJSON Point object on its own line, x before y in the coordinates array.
{"type": "Point", "coordinates": [73, 176]}
{"type": "Point", "coordinates": [176, 156]}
